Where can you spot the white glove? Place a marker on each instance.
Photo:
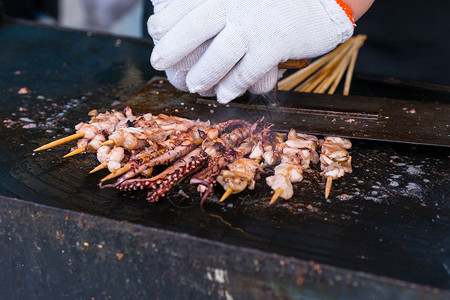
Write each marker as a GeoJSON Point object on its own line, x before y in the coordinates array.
{"type": "Point", "coordinates": [177, 73]}
{"type": "Point", "coordinates": [245, 40]}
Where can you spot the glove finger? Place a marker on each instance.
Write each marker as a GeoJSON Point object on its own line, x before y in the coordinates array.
{"type": "Point", "coordinates": [177, 78]}
{"type": "Point", "coordinates": [194, 29]}
{"type": "Point", "coordinates": [159, 4]}
{"type": "Point", "coordinates": [251, 68]}
{"type": "Point", "coordinates": [267, 82]}
{"type": "Point", "coordinates": [177, 74]}
{"type": "Point", "coordinates": [224, 52]}
{"type": "Point", "coordinates": [168, 14]}
{"type": "Point", "coordinates": [209, 93]}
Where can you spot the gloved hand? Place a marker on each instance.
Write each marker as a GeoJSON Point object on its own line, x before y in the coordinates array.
{"type": "Point", "coordinates": [235, 45]}
{"type": "Point", "coordinates": [177, 73]}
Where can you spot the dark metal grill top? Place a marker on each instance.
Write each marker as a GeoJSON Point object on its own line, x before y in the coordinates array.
{"type": "Point", "coordinates": [390, 217]}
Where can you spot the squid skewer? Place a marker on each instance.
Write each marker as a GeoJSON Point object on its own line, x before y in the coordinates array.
{"type": "Point", "coordinates": [242, 173]}
{"type": "Point", "coordinates": [223, 151]}
{"type": "Point", "coordinates": [281, 182]}
{"type": "Point", "coordinates": [177, 147]}
{"type": "Point", "coordinates": [297, 153]}
{"type": "Point", "coordinates": [88, 144]}
{"type": "Point", "coordinates": [105, 121]}
{"type": "Point", "coordinates": [141, 132]}
{"type": "Point", "coordinates": [335, 160]}
{"type": "Point", "coordinates": [120, 169]}
{"type": "Point", "coordinates": [60, 141]}
{"type": "Point", "coordinates": [219, 152]}
{"type": "Point", "coordinates": [129, 145]}
{"type": "Point", "coordinates": [66, 139]}
{"type": "Point", "coordinates": [180, 143]}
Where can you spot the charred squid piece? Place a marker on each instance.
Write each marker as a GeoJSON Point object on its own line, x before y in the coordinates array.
{"type": "Point", "coordinates": [176, 173]}
{"type": "Point", "coordinates": [264, 146]}
{"type": "Point", "coordinates": [220, 154]}
{"type": "Point", "coordinates": [166, 177]}
{"type": "Point", "coordinates": [242, 172]}
{"type": "Point", "coordinates": [138, 165]}
{"type": "Point", "coordinates": [234, 122]}
{"type": "Point", "coordinates": [207, 179]}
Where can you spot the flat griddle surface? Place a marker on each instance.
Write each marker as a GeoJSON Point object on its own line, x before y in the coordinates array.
{"type": "Point", "coordinates": [390, 217]}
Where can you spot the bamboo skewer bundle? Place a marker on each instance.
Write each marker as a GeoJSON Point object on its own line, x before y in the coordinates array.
{"type": "Point", "coordinates": [325, 74]}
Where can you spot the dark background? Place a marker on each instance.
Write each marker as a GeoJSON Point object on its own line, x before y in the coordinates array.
{"type": "Point", "coordinates": [406, 39]}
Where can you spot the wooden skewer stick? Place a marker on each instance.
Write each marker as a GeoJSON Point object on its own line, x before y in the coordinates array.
{"type": "Point", "coordinates": [294, 64]}
{"type": "Point", "coordinates": [328, 186]}
{"type": "Point", "coordinates": [340, 70]}
{"type": "Point", "coordinates": [60, 141]}
{"type": "Point", "coordinates": [227, 194]}
{"type": "Point", "coordinates": [348, 80]}
{"type": "Point", "coordinates": [313, 81]}
{"type": "Point", "coordinates": [98, 168]}
{"type": "Point", "coordinates": [290, 82]}
{"type": "Point", "coordinates": [275, 196]}
{"type": "Point", "coordinates": [75, 152]}
{"type": "Point", "coordinates": [116, 173]}
{"type": "Point", "coordinates": [328, 69]}
{"type": "Point", "coordinates": [339, 73]}
{"type": "Point", "coordinates": [108, 142]}
{"type": "Point", "coordinates": [348, 77]}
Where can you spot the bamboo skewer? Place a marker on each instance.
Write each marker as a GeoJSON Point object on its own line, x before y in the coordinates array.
{"type": "Point", "coordinates": [339, 73]}
{"type": "Point", "coordinates": [60, 141]}
{"type": "Point", "coordinates": [275, 196]}
{"type": "Point", "coordinates": [227, 194]}
{"type": "Point", "coordinates": [351, 68]}
{"type": "Point", "coordinates": [98, 168]}
{"type": "Point", "coordinates": [334, 77]}
{"type": "Point", "coordinates": [117, 173]}
{"type": "Point", "coordinates": [328, 186]}
{"type": "Point", "coordinates": [310, 84]}
{"type": "Point", "coordinates": [75, 152]}
{"type": "Point", "coordinates": [327, 69]}
{"type": "Point", "coordinates": [108, 142]}
{"type": "Point", "coordinates": [326, 73]}
{"type": "Point", "coordinates": [292, 81]}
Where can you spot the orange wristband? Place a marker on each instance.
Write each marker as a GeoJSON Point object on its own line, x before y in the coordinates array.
{"type": "Point", "coordinates": [347, 10]}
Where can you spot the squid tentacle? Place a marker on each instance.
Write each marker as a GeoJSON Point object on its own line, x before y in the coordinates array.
{"type": "Point", "coordinates": [176, 176]}
{"type": "Point", "coordinates": [163, 158]}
